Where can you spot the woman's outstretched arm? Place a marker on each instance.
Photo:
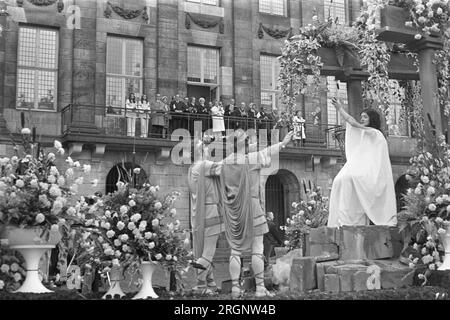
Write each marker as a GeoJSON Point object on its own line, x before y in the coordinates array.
{"type": "Point", "coordinates": [337, 104]}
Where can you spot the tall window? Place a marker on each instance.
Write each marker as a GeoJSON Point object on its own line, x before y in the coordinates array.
{"type": "Point", "coordinates": [397, 123]}
{"type": "Point", "coordinates": [37, 68]}
{"type": "Point", "coordinates": [335, 9]}
{"type": "Point", "coordinates": [270, 69]}
{"type": "Point", "coordinates": [275, 7]}
{"type": "Point", "coordinates": [209, 2]}
{"type": "Point", "coordinates": [336, 89]}
{"type": "Point", "coordinates": [203, 65]}
{"type": "Point", "coordinates": [124, 69]}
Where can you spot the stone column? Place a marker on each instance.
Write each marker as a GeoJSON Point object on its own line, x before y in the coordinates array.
{"type": "Point", "coordinates": [428, 77]}
{"type": "Point", "coordinates": [167, 44]}
{"type": "Point", "coordinates": [353, 79]}
{"type": "Point", "coordinates": [83, 80]}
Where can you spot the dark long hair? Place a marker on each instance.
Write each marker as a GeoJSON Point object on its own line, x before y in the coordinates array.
{"type": "Point", "coordinates": [374, 118]}
{"type": "Point", "coordinates": [134, 97]}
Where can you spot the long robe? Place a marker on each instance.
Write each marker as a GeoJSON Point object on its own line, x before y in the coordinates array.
{"type": "Point", "coordinates": [364, 188]}
{"type": "Point", "coordinates": [206, 204]}
{"type": "Point", "coordinates": [243, 213]}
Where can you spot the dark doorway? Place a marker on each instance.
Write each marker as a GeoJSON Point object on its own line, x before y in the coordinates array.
{"type": "Point", "coordinates": [198, 92]}
{"type": "Point", "coordinates": [123, 172]}
{"type": "Point", "coordinates": [401, 188]}
{"type": "Point", "coordinates": [275, 201]}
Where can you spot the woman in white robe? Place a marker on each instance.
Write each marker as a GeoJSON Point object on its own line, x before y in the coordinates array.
{"type": "Point", "coordinates": [363, 190]}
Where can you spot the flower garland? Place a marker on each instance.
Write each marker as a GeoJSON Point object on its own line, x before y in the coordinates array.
{"type": "Point", "coordinates": [308, 214]}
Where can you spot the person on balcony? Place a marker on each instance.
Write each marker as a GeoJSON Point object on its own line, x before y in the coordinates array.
{"type": "Point", "coordinates": [144, 113]}
{"type": "Point", "coordinates": [241, 112]}
{"type": "Point", "coordinates": [299, 129]}
{"type": "Point", "coordinates": [217, 112]}
{"type": "Point", "coordinates": [363, 191]}
{"type": "Point", "coordinates": [282, 125]}
{"type": "Point", "coordinates": [263, 121]}
{"type": "Point", "coordinates": [130, 114]}
{"type": "Point", "coordinates": [228, 113]}
{"type": "Point", "coordinates": [203, 112]}
{"type": "Point", "coordinates": [177, 108]}
{"type": "Point", "coordinates": [167, 117]}
{"type": "Point", "coordinates": [192, 112]}
{"type": "Point", "coordinates": [252, 113]}
{"type": "Point", "coordinates": [158, 111]}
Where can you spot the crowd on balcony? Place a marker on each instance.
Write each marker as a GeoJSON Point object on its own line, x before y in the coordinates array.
{"type": "Point", "coordinates": [160, 117]}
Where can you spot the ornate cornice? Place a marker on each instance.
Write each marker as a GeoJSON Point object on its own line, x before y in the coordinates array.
{"type": "Point", "coordinates": [42, 3]}
{"type": "Point", "coordinates": [274, 33]}
{"type": "Point", "coordinates": [204, 22]}
{"type": "Point", "coordinates": [125, 13]}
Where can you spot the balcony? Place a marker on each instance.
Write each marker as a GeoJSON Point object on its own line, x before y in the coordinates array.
{"type": "Point", "coordinates": [112, 128]}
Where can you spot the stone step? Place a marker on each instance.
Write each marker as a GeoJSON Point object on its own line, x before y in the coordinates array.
{"type": "Point", "coordinates": [355, 242]}
{"type": "Point", "coordinates": [352, 275]}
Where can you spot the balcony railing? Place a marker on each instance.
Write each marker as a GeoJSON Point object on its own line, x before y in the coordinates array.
{"type": "Point", "coordinates": [119, 122]}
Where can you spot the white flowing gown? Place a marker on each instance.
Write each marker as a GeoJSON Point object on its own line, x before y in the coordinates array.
{"type": "Point", "coordinates": [364, 188]}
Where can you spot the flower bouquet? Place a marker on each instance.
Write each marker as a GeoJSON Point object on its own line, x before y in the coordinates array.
{"type": "Point", "coordinates": [11, 271]}
{"type": "Point", "coordinates": [34, 198]}
{"type": "Point", "coordinates": [308, 214]}
{"type": "Point", "coordinates": [134, 227]}
{"type": "Point", "coordinates": [426, 216]}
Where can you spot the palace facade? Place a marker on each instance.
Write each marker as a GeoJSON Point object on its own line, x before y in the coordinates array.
{"type": "Point", "coordinates": [66, 68]}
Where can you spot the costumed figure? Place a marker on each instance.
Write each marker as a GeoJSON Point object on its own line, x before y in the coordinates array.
{"type": "Point", "coordinates": [206, 217]}
{"type": "Point", "coordinates": [363, 190]}
{"type": "Point", "coordinates": [245, 222]}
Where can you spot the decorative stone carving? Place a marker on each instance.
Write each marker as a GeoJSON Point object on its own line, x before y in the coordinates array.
{"type": "Point", "coordinates": [99, 150]}
{"type": "Point", "coordinates": [274, 33]}
{"type": "Point", "coordinates": [125, 13]}
{"type": "Point", "coordinates": [42, 2]}
{"type": "Point", "coordinates": [75, 147]}
{"type": "Point", "coordinates": [204, 22]}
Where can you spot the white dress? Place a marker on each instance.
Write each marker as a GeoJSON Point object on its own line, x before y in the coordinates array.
{"type": "Point", "coordinates": [364, 188]}
{"type": "Point", "coordinates": [217, 119]}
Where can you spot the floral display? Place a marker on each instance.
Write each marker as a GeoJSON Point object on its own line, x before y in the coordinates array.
{"type": "Point", "coordinates": [426, 215]}
{"type": "Point", "coordinates": [133, 225]}
{"type": "Point", "coordinates": [33, 192]}
{"type": "Point", "coordinates": [300, 56]}
{"type": "Point", "coordinates": [12, 274]}
{"type": "Point", "coordinates": [309, 214]}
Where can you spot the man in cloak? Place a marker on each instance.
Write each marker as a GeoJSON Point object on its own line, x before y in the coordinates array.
{"type": "Point", "coordinates": [206, 215]}
{"type": "Point", "coordinates": [244, 218]}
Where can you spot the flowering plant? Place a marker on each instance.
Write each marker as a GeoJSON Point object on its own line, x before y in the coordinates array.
{"type": "Point", "coordinates": [33, 193]}
{"type": "Point", "coordinates": [308, 214]}
{"type": "Point", "coordinates": [12, 273]}
{"type": "Point", "coordinates": [133, 225]}
{"type": "Point", "coordinates": [300, 56]}
{"type": "Point", "coordinates": [426, 215]}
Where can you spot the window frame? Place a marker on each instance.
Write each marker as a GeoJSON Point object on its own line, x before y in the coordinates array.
{"type": "Point", "coordinates": [271, 13]}
{"type": "Point", "coordinates": [201, 2]}
{"type": "Point", "coordinates": [123, 76]}
{"type": "Point", "coordinates": [274, 80]}
{"type": "Point", "coordinates": [326, 4]}
{"type": "Point", "coordinates": [330, 94]}
{"type": "Point", "coordinates": [38, 69]}
{"type": "Point", "coordinates": [202, 68]}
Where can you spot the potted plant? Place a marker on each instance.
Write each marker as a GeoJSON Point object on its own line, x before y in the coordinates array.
{"type": "Point", "coordinates": [34, 202]}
